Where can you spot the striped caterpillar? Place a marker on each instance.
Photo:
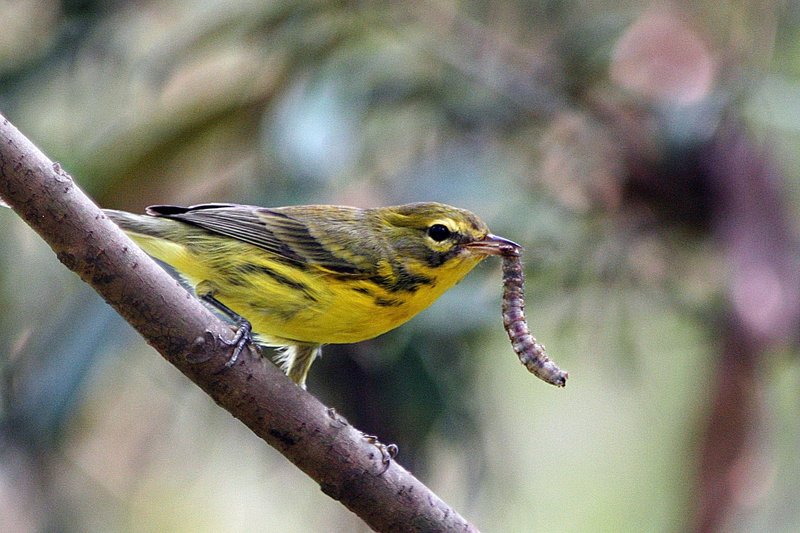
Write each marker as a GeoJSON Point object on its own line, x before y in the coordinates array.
{"type": "Point", "coordinates": [530, 352]}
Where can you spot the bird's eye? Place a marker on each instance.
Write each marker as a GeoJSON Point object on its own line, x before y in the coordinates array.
{"type": "Point", "coordinates": [438, 232]}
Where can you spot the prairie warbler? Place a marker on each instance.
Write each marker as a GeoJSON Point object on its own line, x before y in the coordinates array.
{"type": "Point", "coordinates": [304, 276]}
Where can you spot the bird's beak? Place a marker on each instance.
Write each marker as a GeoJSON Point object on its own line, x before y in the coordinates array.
{"type": "Point", "coordinates": [493, 245]}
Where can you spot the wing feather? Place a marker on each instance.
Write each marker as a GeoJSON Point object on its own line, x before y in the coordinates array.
{"type": "Point", "coordinates": [305, 235]}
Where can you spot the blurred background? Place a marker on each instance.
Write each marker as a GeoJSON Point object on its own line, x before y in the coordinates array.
{"type": "Point", "coordinates": [643, 153]}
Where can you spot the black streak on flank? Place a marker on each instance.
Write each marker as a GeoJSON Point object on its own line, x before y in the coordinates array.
{"type": "Point", "coordinates": [250, 268]}
{"type": "Point", "coordinates": [362, 290]}
{"type": "Point", "coordinates": [388, 302]}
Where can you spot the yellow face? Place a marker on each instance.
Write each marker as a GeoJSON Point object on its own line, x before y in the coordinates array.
{"type": "Point", "coordinates": [438, 235]}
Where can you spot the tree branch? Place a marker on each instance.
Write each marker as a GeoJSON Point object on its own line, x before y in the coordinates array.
{"type": "Point", "coordinates": [316, 440]}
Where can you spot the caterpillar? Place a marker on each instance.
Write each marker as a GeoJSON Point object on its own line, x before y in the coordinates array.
{"type": "Point", "coordinates": [530, 352]}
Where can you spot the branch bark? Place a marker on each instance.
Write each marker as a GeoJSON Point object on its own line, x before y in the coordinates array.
{"type": "Point", "coordinates": [314, 438]}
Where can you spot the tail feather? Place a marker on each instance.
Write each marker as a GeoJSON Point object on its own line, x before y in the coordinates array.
{"type": "Point", "coordinates": [141, 224]}
{"type": "Point", "coordinates": [130, 222]}
{"type": "Point", "coordinates": [146, 225]}
{"type": "Point", "coordinates": [162, 238]}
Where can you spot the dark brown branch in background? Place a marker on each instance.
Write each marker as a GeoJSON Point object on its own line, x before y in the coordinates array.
{"type": "Point", "coordinates": [751, 223]}
{"type": "Point", "coordinates": [323, 445]}
{"type": "Point", "coordinates": [730, 432]}
{"type": "Point", "coordinates": [729, 190]}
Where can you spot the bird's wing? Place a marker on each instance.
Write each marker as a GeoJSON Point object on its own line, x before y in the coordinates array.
{"type": "Point", "coordinates": [285, 232]}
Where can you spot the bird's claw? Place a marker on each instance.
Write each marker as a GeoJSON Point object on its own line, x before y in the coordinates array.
{"type": "Point", "coordinates": [240, 341]}
{"type": "Point", "coordinates": [388, 451]}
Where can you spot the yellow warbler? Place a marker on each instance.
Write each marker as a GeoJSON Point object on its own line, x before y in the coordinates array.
{"type": "Point", "coordinates": [304, 276]}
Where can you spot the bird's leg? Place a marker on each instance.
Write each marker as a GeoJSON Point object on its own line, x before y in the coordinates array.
{"type": "Point", "coordinates": [243, 335]}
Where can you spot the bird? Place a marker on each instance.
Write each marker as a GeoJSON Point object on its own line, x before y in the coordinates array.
{"type": "Point", "coordinates": [300, 277]}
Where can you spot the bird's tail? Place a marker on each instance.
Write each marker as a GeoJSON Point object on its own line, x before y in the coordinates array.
{"type": "Point", "coordinates": [127, 221]}
{"type": "Point", "coordinates": [162, 238]}
{"type": "Point", "coordinates": [138, 224]}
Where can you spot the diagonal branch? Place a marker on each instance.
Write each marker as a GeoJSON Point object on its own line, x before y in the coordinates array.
{"type": "Point", "coordinates": [316, 440]}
